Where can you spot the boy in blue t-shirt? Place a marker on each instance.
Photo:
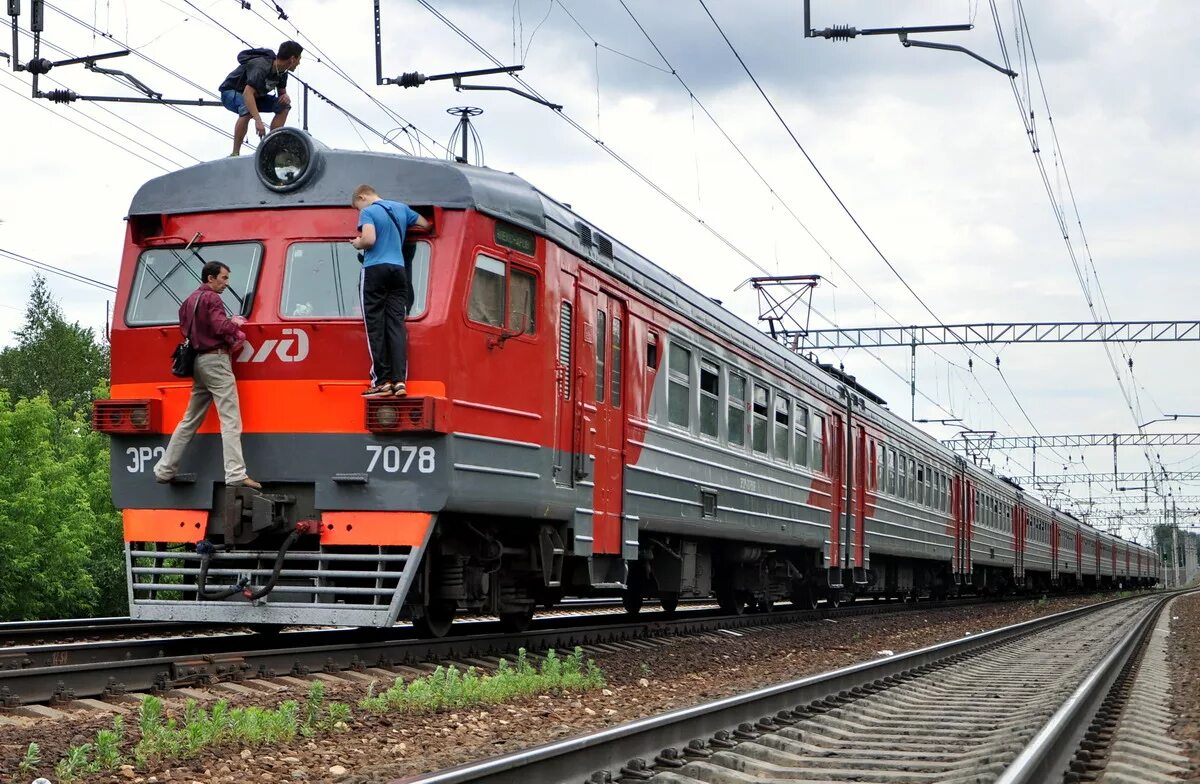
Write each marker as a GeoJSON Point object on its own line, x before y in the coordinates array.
{"type": "Point", "coordinates": [384, 287]}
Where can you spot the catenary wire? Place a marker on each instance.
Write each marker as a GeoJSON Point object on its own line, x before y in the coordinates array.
{"type": "Point", "coordinates": [853, 219]}
{"type": "Point", "coordinates": [611, 152]}
{"type": "Point", "coordinates": [100, 136]}
{"type": "Point", "coordinates": [329, 63]}
{"type": "Point", "coordinates": [44, 267]}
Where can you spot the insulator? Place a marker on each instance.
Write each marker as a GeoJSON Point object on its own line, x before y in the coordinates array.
{"type": "Point", "coordinates": [411, 79]}
{"type": "Point", "coordinates": [61, 96]}
{"type": "Point", "coordinates": [839, 33]}
{"type": "Point", "coordinates": [39, 66]}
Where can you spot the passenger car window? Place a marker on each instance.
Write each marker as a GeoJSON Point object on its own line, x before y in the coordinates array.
{"type": "Point", "coordinates": [710, 397]}
{"type": "Point", "coordinates": [322, 279]}
{"type": "Point", "coordinates": [759, 436]}
{"type": "Point", "coordinates": [679, 378]}
{"type": "Point", "coordinates": [164, 278]}
{"type": "Point", "coordinates": [737, 410]}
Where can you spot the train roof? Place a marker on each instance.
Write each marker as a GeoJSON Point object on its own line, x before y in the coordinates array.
{"type": "Point", "coordinates": [232, 184]}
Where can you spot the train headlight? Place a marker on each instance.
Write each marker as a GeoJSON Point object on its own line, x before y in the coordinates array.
{"type": "Point", "coordinates": [287, 160]}
{"type": "Point", "coordinates": [126, 416]}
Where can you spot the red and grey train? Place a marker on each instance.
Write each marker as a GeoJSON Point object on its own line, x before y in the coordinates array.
{"type": "Point", "coordinates": [579, 422]}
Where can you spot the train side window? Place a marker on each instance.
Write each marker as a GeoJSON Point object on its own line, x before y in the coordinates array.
{"type": "Point", "coordinates": [601, 356]}
{"type": "Point", "coordinates": [818, 443]}
{"type": "Point", "coordinates": [487, 292]}
{"type": "Point", "coordinates": [912, 479]}
{"type": "Point", "coordinates": [945, 494]}
{"type": "Point", "coordinates": [891, 470]}
{"type": "Point", "coordinates": [522, 301]}
{"type": "Point", "coordinates": [920, 484]}
{"type": "Point", "coordinates": [679, 386]}
{"type": "Point", "coordinates": [502, 295]}
{"type": "Point", "coordinates": [902, 476]}
{"type": "Point", "coordinates": [758, 435]}
{"type": "Point", "coordinates": [800, 424]}
{"type": "Point", "coordinates": [736, 410]}
{"type": "Point", "coordinates": [652, 350]}
{"type": "Point", "coordinates": [783, 426]}
{"type": "Point", "coordinates": [164, 278]}
{"type": "Point", "coordinates": [881, 483]}
{"type": "Point", "coordinates": [710, 397]}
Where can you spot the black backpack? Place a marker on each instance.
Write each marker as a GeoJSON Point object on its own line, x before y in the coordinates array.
{"type": "Point", "coordinates": [237, 78]}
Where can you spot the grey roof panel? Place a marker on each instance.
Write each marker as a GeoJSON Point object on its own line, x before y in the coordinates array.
{"type": "Point", "coordinates": [231, 184]}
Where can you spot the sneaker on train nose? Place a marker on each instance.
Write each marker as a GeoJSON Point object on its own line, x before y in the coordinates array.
{"type": "Point", "coordinates": [398, 389]}
{"type": "Point", "coordinates": [379, 390]}
{"type": "Point", "coordinates": [247, 482]}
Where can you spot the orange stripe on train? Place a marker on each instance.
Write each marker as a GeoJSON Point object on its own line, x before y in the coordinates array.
{"type": "Point", "coordinates": [305, 406]}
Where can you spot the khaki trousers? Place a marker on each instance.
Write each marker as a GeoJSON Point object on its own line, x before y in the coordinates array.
{"type": "Point", "coordinates": [213, 381]}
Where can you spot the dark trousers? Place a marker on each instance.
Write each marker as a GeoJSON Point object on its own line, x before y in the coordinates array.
{"type": "Point", "coordinates": [386, 297]}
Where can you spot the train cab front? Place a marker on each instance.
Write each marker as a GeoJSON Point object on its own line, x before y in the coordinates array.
{"type": "Point", "coordinates": [351, 486]}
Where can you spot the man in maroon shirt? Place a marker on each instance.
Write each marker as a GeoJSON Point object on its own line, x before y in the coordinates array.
{"type": "Point", "coordinates": [203, 321]}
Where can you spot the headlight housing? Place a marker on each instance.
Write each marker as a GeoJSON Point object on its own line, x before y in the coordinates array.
{"type": "Point", "coordinates": [287, 160]}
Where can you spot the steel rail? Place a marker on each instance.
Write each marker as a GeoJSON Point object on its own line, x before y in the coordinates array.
{"type": "Point", "coordinates": [14, 632]}
{"type": "Point", "coordinates": [600, 755]}
{"type": "Point", "coordinates": [41, 674]}
{"type": "Point", "coordinates": [1052, 749]}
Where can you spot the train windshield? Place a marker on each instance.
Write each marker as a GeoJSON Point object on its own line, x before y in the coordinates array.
{"type": "Point", "coordinates": [166, 276]}
{"type": "Point", "coordinates": [321, 280]}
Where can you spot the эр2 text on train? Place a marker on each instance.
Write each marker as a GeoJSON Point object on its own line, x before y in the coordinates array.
{"type": "Point", "coordinates": [579, 422]}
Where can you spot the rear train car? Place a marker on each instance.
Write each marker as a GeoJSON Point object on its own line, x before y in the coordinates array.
{"type": "Point", "coordinates": [579, 422]}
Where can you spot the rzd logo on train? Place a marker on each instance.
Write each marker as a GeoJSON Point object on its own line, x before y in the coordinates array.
{"type": "Point", "coordinates": [287, 349]}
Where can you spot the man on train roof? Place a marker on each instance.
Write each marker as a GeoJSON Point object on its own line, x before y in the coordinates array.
{"type": "Point", "coordinates": [247, 90]}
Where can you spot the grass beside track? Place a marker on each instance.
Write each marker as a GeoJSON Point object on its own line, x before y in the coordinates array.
{"type": "Point", "coordinates": [162, 738]}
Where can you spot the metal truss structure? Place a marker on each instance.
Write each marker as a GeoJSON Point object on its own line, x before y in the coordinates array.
{"type": "Point", "coordinates": [1020, 332]}
{"type": "Point", "coordinates": [1134, 477]}
{"type": "Point", "coordinates": [975, 441]}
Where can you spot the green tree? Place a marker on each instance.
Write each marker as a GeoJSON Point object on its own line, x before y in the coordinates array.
{"type": "Point", "coordinates": [56, 526]}
{"type": "Point", "coordinates": [61, 545]}
{"type": "Point", "coordinates": [52, 356]}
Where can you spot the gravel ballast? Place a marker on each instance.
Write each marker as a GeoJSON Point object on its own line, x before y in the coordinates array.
{"type": "Point", "coordinates": [643, 679]}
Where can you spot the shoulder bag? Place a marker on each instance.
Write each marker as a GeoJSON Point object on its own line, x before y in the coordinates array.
{"type": "Point", "coordinates": [183, 358]}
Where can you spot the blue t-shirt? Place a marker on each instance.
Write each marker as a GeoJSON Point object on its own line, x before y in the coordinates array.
{"type": "Point", "coordinates": [389, 243]}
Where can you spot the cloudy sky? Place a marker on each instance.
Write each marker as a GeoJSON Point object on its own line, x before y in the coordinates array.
{"type": "Point", "coordinates": [927, 149]}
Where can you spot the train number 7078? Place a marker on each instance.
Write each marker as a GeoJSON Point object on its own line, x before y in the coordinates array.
{"type": "Point", "coordinates": [402, 459]}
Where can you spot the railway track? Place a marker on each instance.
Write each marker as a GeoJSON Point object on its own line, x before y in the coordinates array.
{"type": "Point", "coordinates": [1011, 705]}
{"type": "Point", "coordinates": [53, 674]}
{"type": "Point", "coordinates": [65, 630]}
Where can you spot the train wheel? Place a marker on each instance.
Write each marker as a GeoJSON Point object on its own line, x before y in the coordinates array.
{"type": "Point", "coordinates": [731, 602]}
{"type": "Point", "coordinates": [805, 598]}
{"type": "Point", "coordinates": [632, 602]}
{"type": "Point", "coordinates": [436, 621]}
{"type": "Point", "coordinates": [516, 621]}
{"type": "Point", "coordinates": [669, 602]}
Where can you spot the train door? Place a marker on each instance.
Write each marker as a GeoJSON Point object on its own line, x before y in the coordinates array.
{"type": "Point", "coordinates": [836, 460]}
{"type": "Point", "coordinates": [1078, 555]}
{"type": "Point", "coordinates": [861, 469]}
{"type": "Point", "coordinates": [1054, 564]}
{"type": "Point", "coordinates": [610, 426]}
{"type": "Point", "coordinates": [963, 498]}
{"type": "Point", "coordinates": [1020, 518]}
